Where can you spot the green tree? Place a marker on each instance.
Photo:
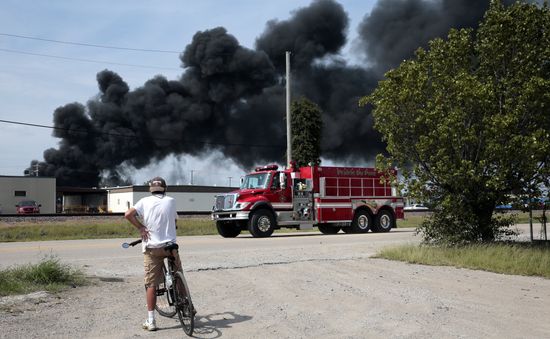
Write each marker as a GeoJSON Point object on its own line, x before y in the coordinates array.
{"type": "Point", "coordinates": [469, 120]}
{"type": "Point", "coordinates": [306, 125]}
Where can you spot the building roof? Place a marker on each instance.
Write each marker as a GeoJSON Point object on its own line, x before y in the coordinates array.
{"type": "Point", "coordinates": [70, 189]}
{"type": "Point", "coordinates": [25, 176]}
{"type": "Point", "coordinates": [173, 189]}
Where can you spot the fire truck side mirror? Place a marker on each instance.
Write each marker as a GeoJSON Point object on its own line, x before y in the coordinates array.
{"type": "Point", "coordinates": [282, 180]}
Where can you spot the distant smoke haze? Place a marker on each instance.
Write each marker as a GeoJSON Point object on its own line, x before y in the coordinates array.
{"type": "Point", "coordinates": [231, 99]}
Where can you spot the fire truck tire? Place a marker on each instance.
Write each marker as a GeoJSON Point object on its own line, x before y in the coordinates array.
{"type": "Point", "coordinates": [362, 222]}
{"type": "Point", "coordinates": [348, 229]}
{"type": "Point", "coordinates": [228, 229]}
{"type": "Point", "coordinates": [262, 223]}
{"type": "Point", "coordinates": [384, 221]}
{"type": "Point", "coordinates": [328, 229]}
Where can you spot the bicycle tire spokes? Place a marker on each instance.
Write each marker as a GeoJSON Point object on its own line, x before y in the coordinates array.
{"type": "Point", "coordinates": [165, 305]}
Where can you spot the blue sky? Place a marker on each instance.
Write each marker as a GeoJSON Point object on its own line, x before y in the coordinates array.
{"type": "Point", "coordinates": [32, 87]}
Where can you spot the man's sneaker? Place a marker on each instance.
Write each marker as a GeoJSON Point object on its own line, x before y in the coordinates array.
{"type": "Point", "coordinates": [149, 326]}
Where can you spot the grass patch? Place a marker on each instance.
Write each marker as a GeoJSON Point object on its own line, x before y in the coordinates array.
{"type": "Point", "coordinates": [104, 228]}
{"type": "Point", "coordinates": [196, 226]}
{"type": "Point", "coordinates": [410, 221]}
{"type": "Point", "coordinates": [98, 229]}
{"type": "Point", "coordinates": [93, 229]}
{"type": "Point", "coordinates": [518, 258]}
{"type": "Point", "coordinates": [49, 275]}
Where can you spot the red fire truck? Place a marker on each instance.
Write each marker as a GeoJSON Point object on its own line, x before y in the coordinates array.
{"type": "Point", "coordinates": [351, 199]}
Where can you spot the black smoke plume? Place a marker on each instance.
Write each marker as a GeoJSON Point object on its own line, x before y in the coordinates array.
{"type": "Point", "coordinates": [396, 28]}
{"type": "Point", "coordinates": [231, 99]}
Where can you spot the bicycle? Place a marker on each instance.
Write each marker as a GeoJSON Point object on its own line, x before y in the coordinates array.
{"type": "Point", "coordinates": [173, 295]}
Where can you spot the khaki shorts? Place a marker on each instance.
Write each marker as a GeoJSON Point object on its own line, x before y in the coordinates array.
{"type": "Point", "coordinates": [153, 260]}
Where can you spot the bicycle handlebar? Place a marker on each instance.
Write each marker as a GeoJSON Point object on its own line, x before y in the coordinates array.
{"type": "Point", "coordinates": [168, 246]}
{"type": "Point", "coordinates": [132, 244]}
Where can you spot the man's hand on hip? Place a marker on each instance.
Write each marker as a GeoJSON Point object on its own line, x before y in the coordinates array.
{"type": "Point", "coordinates": [144, 233]}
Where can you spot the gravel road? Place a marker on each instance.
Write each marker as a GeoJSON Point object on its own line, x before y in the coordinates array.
{"type": "Point", "coordinates": [290, 286]}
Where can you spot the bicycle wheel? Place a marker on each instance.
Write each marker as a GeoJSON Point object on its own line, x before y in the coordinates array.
{"type": "Point", "coordinates": [184, 305]}
{"type": "Point", "coordinates": [165, 301]}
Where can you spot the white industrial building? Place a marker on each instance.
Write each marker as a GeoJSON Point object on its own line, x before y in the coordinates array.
{"type": "Point", "coordinates": [43, 190]}
{"type": "Point", "coordinates": [14, 189]}
{"type": "Point", "coordinates": [188, 198]}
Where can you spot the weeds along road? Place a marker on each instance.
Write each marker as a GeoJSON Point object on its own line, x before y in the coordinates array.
{"type": "Point", "coordinates": [297, 285]}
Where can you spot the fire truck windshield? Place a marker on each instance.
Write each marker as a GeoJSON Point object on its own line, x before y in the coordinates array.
{"type": "Point", "coordinates": [256, 180]}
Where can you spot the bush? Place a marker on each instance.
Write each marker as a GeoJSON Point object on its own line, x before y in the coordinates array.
{"type": "Point", "coordinates": [450, 224]}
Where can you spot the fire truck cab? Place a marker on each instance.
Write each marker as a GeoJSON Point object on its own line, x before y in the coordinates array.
{"type": "Point", "coordinates": [351, 199]}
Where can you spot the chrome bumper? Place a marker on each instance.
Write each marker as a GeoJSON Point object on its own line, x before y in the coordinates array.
{"type": "Point", "coordinates": [230, 215]}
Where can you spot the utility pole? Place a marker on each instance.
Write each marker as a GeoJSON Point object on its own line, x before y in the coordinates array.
{"type": "Point", "coordinates": [288, 129]}
{"type": "Point", "coordinates": [192, 176]}
{"type": "Point", "coordinates": [229, 181]}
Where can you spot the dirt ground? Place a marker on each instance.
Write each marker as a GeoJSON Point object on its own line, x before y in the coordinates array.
{"type": "Point", "coordinates": [278, 289]}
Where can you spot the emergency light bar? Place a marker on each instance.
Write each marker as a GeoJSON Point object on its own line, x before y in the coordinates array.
{"type": "Point", "coordinates": [267, 168]}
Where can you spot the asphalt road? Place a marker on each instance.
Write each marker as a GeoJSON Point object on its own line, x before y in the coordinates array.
{"type": "Point", "coordinates": [106, 256]}
{"type": "Point", "coordinates": [299, 285]}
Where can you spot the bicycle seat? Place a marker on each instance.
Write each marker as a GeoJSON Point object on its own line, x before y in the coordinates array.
{"type": "Point", "coordinates": [171, 246]}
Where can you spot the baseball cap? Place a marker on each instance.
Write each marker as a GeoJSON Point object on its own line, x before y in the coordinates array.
{"type": "Point", "coordinates": [157, 184]}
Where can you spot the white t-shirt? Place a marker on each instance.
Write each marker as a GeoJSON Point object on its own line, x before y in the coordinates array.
{"type": "Point", "coordinates": [159, 216]}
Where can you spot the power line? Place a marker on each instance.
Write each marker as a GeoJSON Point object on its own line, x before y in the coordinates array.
{"type": "Point", "coordinates": [135, 136]}
{"type": "Point", "coordinates": [90, 45]}
{"type": "Point", "coordinates": [85, 60]}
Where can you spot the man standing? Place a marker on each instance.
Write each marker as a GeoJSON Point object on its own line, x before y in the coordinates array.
{"type": "Point", "coordinates": [158, 228]}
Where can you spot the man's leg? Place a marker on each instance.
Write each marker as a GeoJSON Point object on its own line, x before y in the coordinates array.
{"type": "Point", "coordinates": [151, 298]}
{"type": "Point", "coordinates": [152, 265]}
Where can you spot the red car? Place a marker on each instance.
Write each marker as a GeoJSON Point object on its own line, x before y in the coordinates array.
{"type": "Point", "coordinates": [28, 207]}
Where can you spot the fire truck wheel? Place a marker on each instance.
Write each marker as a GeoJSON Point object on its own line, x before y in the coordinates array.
{"type": "Point", "coordinates": [228, 229]}
{"type": "Point", "coordinates": [262, 224]}
{"type": "Point", "coordinates": [328, 229]}
{"type": "Point", "coordinates": [384, 221]}
{"type": "Point", "coordinates": [362, 222]}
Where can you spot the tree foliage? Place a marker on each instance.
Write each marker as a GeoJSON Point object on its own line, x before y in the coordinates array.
{"type": "Point", "coordinates": [469, 120]}
{"type": "Point", "coordinates": [306, 125]}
